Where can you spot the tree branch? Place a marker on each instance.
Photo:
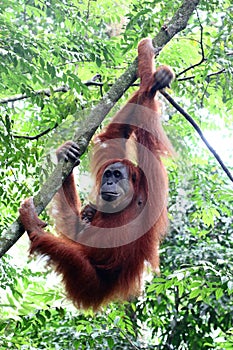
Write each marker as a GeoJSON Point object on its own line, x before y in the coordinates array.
{"type": "Point", "coordinates": [94, 119]}
{"type": "Point", "coordinates": [35, 137]}
{"type": "Point", "coordinates": [44, 92]}
{"type": "Point", "coordinates": [202, 52]}
{"type": "Point", "coordinates": [197, 128]}
{"type": "Point", "coordinates": [48, 92]}
{"type": "Point", "coordinates": [210, 75]}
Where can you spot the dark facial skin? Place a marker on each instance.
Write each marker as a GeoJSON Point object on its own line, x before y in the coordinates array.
{"type": "Point", "coordinates": [115, 182]}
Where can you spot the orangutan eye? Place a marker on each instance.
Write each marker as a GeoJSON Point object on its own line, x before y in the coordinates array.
{"type": "Point", "coordinates": [117, 173]}
{"type": "Point", "coordinates": [108, 173]}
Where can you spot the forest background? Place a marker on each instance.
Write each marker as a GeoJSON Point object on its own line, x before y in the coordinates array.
{"type": "Point", "coordinates": [59, 60]}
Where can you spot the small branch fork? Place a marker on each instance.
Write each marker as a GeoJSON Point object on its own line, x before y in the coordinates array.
{"type": "Point", "coordinates": [202, 51]}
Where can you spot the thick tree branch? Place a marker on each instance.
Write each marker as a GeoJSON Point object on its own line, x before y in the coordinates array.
{"type": "Point", "coordinates": [94, 119]}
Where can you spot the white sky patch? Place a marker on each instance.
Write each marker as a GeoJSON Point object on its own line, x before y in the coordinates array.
{"type": "Point", "coordinates": [222, 143]}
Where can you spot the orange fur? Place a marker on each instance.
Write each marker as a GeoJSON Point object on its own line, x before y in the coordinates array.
{"type": "Point", "coordinates": [92, 274]}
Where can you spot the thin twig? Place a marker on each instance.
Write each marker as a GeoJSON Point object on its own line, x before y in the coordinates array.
{"type": "Point", "coordinates": [43, 92]}
{"type": "Point", "coordinates": [216, 73]}
{"type": "Point", "coordinates": [128, 338]}
{"type": "Point", "coordinates": [88, 10]}
{"type": "Point", "coordinates": [49, 92]}
{"type": "Point", "coordinates": [203, 94]}
{"type": "Point", "coordinates": [202, 51]}
{"type": "Point", "coordinates": [35, 137]}
{"type": "Point", "coordinates": [223, 70]}
{"type": "Point", "coordinates": [197, 128]}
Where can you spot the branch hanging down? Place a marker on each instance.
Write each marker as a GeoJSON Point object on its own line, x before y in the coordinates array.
{"type": "Point", "coordinates": [96, 116]}
{"type": "Point", "coordinates": [197, 128]}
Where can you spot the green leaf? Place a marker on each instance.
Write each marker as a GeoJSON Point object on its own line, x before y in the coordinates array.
{"type": "Point", "coordinates": [218, 293]}
{"type": "Point", "coordinates": [194, 293]}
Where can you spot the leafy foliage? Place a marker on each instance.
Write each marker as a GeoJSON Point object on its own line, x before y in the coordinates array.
{"type": "Point", "coordinates": [48, 51]}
